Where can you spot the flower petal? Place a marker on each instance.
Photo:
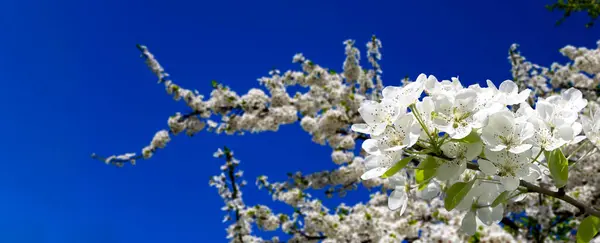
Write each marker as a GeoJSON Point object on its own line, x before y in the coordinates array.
{"type": "Point", "coordinates": [487, 167]}
{"type": "Point", "coordinates": [497, 213]}
{"type": "Point", "coordinates": [373, 173]}
{"type": "Point", "coordinates": [485, 215]}
{"type": "Point", "coordinates": [371, 146]}
{"type": "Point", "coordinates": [397, 200]}
{"type": "Point", "coordinates": [469, 223]}
{"type": "Point", "coordinates": [510, 183]}
{"type": "Point", "coordinates": [520, 148]}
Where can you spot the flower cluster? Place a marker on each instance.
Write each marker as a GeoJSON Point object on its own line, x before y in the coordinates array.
{"type": "Point", "coordinates": [311, 221]}
{"type": "Point", "coordinates": [453, 125]}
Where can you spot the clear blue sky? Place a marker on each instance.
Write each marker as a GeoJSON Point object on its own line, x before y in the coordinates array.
{"type": "Point", "coordinates": [73, 84]}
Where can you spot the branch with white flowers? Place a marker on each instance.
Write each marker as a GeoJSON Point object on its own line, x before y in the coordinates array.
{"type": "Point", "coordinates": [559, 194]}
{"type": "Point", "coordinates": [537, 128]}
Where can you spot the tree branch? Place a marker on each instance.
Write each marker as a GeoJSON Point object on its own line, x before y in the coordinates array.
{"type": "Point", "coordinates": [234, 194]}
{"type": "Point", "coordinates": [583, 208]}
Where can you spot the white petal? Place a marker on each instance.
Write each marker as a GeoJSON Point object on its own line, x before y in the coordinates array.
{"type": "Point", "coordinates": [450, 170]}
{"type": "Point", "coordinates": [397, 200]}
{"type": "Point", "coordinates": [525, 111]}
{"type": "Point", "coordinates": [491, 85]}
{"type": "Point", "coordinates": [487, 167]}
{"type": "Point", "coordinates": [510, 183]}
{"type": "Point", "coordinates": [587, 124]}
{"type": "Point", "coordinates": [430, 191]}
{"type": "Point", "coordinates": [544, 110]}
{"type": "Point", "coordinates": [525, 131]}
{"type": "Point", "coordinates": [368, 129]}
{"type": "Point", "coordinates": [469, 224]}
{"type": "Point", "coordinates": [378, 129]}
{"type": "Point", "coordinates": [496, 148]}
{"type": "Point", "coordinates": [485, 215]}
{"type": "Point", "coordinates": [533, 174]}
{"type": "Point", "coordinates": [371, 146]}
{"type": "Point", "coordinates": [473, 150]}
{"type": "Point", "coordinates": [519, 98]}
{"type": "Point", "coordinates": [390, 92]}
{"type": "Point", "coordinates": [520, 148]}
{"type": "Point", "coordinates": [361, 128]}
{"type": "Point", "coordinates": [577, 128]}
{"type": "Point", "coordinates": [508, 87]}
{"type": "Point", "coordinates": [577, 139]}
{"type": "Point", "coordinates": [497, 213]}
{"type": "Point", "coordinates": [373, 173]}
{"type": "Point", "coordinates": [372, 162]}
{"type": "Point", "coordinates": [566, 132]}
{"type": "Point", "coordinates": [494, 156]}
{"type": "Point", "coordinates": [461, 131]}
{"type": "Point", "coordinates": [370, 111]}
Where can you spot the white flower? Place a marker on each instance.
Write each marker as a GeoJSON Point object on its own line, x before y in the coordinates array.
{"type": "Point", "coordinates": [160, 139]}
{"type": "Point", "coordinates": [298, 58]}
{"type": "Point", "coordinates": [547, 138]}
{"type": "Point", "coordinates": [404, 133]}
{"type": "Point", "coordinates": [376, 165]}
{"type": "Point", "coordinates": [377, 116]}
{"type": "Point", "coordinates": [461, 154]}
{"type": "Point", "coordinates": [571, 99]}
{"type": "Point", "coordinates": [524, 113]}
{"type": "Point", "coordinates": [147, 152]}
{"type": "Point", "coordinates": [175, 125]}
{"type": "Point", "coordinates": [425, 108]}
{"type": "Point", "coordinates": [408, 94]}
{"type": "Point", "coordinates": [591, 126]}
{"type": "Point", "coordinates": [398, 199]}
{"type": "Point", "coordinates": [504, 132]}
{"type": "Point", "coordinates": [508, 166]}
{"type": "Point", "coordinates": [433, 87]}
{"type": "Point", "coordinates": [454, 114]}
{"type": "Point", "coordinates": [430, 191]}
{"type": "Point", "coordinates": [534, 173]}
{"type": "Point", "coordinates": [489, 215]}
{"type": "Point", "coordinates": [508, 93]}
{"type": "Point", "coordinates": [554, 115]}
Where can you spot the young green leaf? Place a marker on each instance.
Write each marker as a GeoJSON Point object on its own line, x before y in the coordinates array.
{"type": "Point", "coordinates": [501, 198]}
{"type": "Point", "coordinates": [456, 193]}
{"type": "Point", "coordinates": [422, 176]}
{"type": "Point", "coordinates": [473, 137]}
{"type": "Point", "coordinates": [397, 167]}
{"type": "Point", "coordinates": [428, 163]}
{"type": "Point", "coordinates": [588, 228]}
{"type": "Point", "coordinates": [559, 167]}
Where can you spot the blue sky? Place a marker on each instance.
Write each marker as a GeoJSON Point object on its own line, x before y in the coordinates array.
{"type": "Point", "coordinates": [73, 84]}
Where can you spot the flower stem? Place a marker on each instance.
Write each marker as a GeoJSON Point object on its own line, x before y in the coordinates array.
{"type": "Point", "coordinates": [577, 149]}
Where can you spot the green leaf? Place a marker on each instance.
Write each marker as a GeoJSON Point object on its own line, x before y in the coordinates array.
{"type": "Point", "coordinates": [588, 228]}
{"type": "Point", "coordinates": [559, 167]}
{"type": "Point", "coordinates": [425, 171]}
{"type": "Point", "coordinates": [456, 193]}
{"type": "Point", "coordinates": [214, 83]}
{"type": "Point", "coordinates": [423, 176]}
{"type": "Point", "coordinates": [501, 198]}
{"type": "Point", "coordinates": [419, 176]}
{"type": "Point", "coordinates": [429, 163]}
{"type": "Point", "coordinates": [473, 137]}
{"type": "Point", "coordinates": [397, 167]}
